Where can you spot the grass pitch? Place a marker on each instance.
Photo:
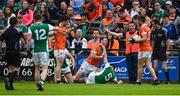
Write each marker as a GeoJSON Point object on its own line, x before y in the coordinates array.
{"type": "Point", "coordinates": [28, 88]}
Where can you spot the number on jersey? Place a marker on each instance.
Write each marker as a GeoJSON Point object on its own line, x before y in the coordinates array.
{"type": "Point", "coordinates": [108, 77]}
{"type": "Point", "coordinates": [40, 34]}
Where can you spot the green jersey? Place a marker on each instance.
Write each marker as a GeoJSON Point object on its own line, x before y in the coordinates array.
{"type": "Point", "coordinates": [161, 1]}
{"type": "Point", "coordinates": [159, 13]}
{"type": "Point", "coordinates": [23, 28]}
{"type": "Point", "coordinates": [39, 33]}
{"type": "Point", "coordinates": [38, 7]}
{"type": "Point", "coordinates": [106, 75]}
{"type": "Point", "coordinates": [64, 64]}
{"type": "Point", "coordinates": [51, 52]}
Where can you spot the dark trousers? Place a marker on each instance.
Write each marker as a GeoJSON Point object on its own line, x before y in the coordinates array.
{"type": "Point", "coordinates": [132, 61]}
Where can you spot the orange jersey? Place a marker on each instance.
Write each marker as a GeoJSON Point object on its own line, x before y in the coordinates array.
{"type": "Point", "coordinates": [95, 13]}
{"type": "Point", "coordinates": [115, 45]}
{"type": "Point", "coordinates": [145, 45]}
{"type": "Point", "coordinates": [60, 38]}
{"type": "Point", "coordinates": [98, 1]}
{"type": "Point", "coordinates": [121, 20]}
{"type": "Point", "coordinates": [98, 50]}
{"type": "Point", "coordinates": [117, 2]}
{"type": "Point", "coordinates": [106, 21]}
{"type": "Point", "coordinates": [92, 43]}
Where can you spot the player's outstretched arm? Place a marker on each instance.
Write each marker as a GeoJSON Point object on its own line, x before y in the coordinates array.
{"type": "Point", "coordinates": [51, 33]}
{"type": "Point", "coordinates": [143, 38]}
{"type": "Point", "coordinates": [69, 30]}
{"type": "Point", "coordinates": [52, 29]}
{"type": "Point", "coordinates": [114, 33]}
{"type": "Point", "coordinates": [104, 54]}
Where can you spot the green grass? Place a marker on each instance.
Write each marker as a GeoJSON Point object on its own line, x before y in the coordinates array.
{"type": "Point", "coordinates": [28, 88]}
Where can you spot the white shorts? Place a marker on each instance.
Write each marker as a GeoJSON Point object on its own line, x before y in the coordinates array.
{"type": "Point", "coordinates": [61, 53]}
{"type": "Point", "coordinates": [87, 68]}
{"type": "Point", "coordinates": [91, 78]}
{"type": "Point", "coordinates": [66, 70]}
{"type": "Point", "coordinates": [41, 58]}
{"type": "Point", "coordinates": [144, 54]}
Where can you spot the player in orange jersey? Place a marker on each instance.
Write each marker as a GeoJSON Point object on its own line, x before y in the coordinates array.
{"type": "Point", "coordinates": [92, 61]}
{"type": "Point", "coordinates": [60, 47]}
{"type": "Point", "coordinates": [144, 55]}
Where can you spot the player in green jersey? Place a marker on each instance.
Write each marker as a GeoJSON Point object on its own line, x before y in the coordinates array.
{"type": "Point", "coordinates": [39, 33]}
{"type": "Point", "coordinates": [103, 76]}
{"type": "Point", "coordinates": [66, 71]}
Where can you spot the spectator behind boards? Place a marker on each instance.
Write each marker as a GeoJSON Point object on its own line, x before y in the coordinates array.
{"type": "Point", "coordinates": [26, 13]}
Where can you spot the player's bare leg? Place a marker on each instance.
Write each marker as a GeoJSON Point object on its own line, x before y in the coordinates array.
{"type": "Point", "coordinates": [44, 72]}
{"type": "Point", "coordinates": [140, 70]}
{"type": "Point", "coordinates": [37, 76]}
{"type": "Point", "coordinates": [69, 77]}
{"type": "Point", "coordinates": [148, 65]}
{"type": "Point", "coordinates": [156, 67]}
{"type": "Point", "coordinates": [40, 83]}
{"type": "Point", "coordinates": [58, 69]}
{"type": "Point", "coordinates": [37, 73]}
{"type": "Point", "coordinates": [78, 78]}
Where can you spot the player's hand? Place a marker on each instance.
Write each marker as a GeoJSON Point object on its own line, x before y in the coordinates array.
{"type": "Point", "coordinates": [144, 34]}
{"type": "Point", "coordinates": [120, 82]}
{"type": "Point", "coordinates": [106, 30]}
{"type": "Point", "coordinates": [117, 30]}
{"type": "Point", "coordinates": [103, 54]}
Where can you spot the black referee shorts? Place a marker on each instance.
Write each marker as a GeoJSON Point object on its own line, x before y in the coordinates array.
{"type": "Point", "coordinates": [159, 55]}
{"type": "Point", "coordinates": [12, 58]}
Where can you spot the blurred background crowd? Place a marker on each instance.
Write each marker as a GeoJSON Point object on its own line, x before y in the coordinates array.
{"type": "Point", "coordinates": [85, 16]}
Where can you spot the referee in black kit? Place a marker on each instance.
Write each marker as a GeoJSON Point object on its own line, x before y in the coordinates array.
{"type": "Point", "coordinates": [160, 45]}
{"type": "Point", "coordinates": [12, 37]}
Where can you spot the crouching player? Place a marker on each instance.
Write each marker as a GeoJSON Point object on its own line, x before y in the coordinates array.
{"type": "Point", "coordinates": [91, 63]}
{"type": "Point", "coordinates": [66, 68]}
{"type": "Point", "coordinates": [104, 76]}
{"type": "Point", "coordinates": [66, 71]}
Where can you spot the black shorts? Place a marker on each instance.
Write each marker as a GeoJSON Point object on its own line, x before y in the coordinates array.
{"type": "Point", "coordinates": [159, 55]}
{"type": "Point", "coordinates": [12, 58]}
